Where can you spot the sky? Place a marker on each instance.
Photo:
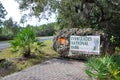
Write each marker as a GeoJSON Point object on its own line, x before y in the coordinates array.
{"type": "Point", "coordinates": [12, 8]}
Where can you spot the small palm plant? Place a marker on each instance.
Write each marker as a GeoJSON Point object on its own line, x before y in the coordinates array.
{"type": "Point", "coordinates": [103, 68]}
{"type": "Point", "coordinates": [24, 42]}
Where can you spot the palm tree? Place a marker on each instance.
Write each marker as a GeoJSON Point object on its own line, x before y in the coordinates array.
{"type": "Point", "coordinates": [24, 41]}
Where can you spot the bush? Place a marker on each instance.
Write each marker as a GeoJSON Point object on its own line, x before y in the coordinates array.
{"type": "Point", "coordinates": [5, 37]}
{"type": "Point", "coordinates": [45, 30]}
{"type": "Point", "coordinates": [103, 68]}
{"type": "Point", "coordinates": [26, 42]}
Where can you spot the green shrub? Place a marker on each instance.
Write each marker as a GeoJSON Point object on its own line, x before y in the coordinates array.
{"type": "Point", "coordinates": [45, 30]}
{"type": "Point", "coordinates": [6, 37]}
{"type": "Point", "coordinates": [26, 42]}
{"type": "Point", "coordinates": [103, 68]}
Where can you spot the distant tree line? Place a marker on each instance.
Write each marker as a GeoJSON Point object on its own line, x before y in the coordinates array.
{"type": "Point", "coordinates": [10, 29]}
{"type": "Point", "coordinates": [46, 29]}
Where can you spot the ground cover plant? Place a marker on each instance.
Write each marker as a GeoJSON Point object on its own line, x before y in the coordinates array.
{"type": "Point", "coordinates": [103, 68]}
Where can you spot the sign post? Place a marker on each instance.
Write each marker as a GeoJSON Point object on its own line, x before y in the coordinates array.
{"type": "Point", "coordinates": [86, 44]}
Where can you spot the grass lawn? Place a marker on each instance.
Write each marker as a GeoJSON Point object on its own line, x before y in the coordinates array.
{"type": "Point", "coordinates": [18, 64]}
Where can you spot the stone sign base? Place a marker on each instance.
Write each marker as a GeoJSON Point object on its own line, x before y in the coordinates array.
{"type": "Point", "coordinates": [64, 50]}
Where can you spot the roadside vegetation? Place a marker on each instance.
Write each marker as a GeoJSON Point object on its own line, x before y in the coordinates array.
{"type": "Point", "coordinates": [15, 62]}
{"type": "Point", "coordinates": [25, 51]}
{"type": "Point", "coordinates": [26, 43]}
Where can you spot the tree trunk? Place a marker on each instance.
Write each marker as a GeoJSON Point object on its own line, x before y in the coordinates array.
{"type": "Point", "coordinates": [27, 52]}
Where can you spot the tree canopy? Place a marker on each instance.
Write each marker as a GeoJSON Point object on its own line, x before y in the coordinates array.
{"type": "Point", "coordinates": [98, 14]}
{"type": "Point", "coordinates": [73, 13]}
{"type": "Point", "coordinates": [10, 26]}
{"type": "Point", "coordinates": [3, 13]}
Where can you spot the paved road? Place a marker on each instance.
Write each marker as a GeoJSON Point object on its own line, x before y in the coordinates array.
{"type": "Point", "coordinates": [44, 38]}
{"type": "Point", "coordinates": [5, 44]}
{"type": "Point", "coordinates": [54, 69]}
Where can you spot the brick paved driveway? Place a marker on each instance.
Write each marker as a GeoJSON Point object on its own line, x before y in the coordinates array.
{"type": "Point", "coordinates": [54, 69]}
